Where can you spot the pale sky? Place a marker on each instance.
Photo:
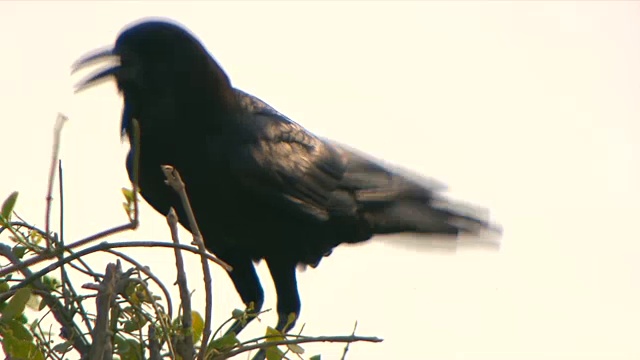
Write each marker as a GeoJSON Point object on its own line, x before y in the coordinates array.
{"type": "Point", "coordinates": [528, 108]}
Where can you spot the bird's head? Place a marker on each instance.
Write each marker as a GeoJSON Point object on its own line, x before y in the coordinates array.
{"type": "Point", "coordinates": [152, 61]}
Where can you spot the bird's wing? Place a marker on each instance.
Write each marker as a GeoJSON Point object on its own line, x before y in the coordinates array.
{"type": "Point", "coordinates": [290, 166]}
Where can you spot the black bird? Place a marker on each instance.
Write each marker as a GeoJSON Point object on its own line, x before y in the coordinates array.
{"type": "Point", "coordinates": [260, 185]}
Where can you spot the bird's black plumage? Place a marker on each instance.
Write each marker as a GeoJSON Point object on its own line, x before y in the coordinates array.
{"type": "Point", "coordinates": [260, 185]}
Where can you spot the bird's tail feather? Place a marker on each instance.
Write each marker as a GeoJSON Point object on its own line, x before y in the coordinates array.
{"type": "Point", "coordinates": [393, 200]}
{"type": "Point", "coordinates": [434, 216]}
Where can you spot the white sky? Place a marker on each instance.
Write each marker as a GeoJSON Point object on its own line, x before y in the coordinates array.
{"type": "Point", "coordinates": [528, 108]}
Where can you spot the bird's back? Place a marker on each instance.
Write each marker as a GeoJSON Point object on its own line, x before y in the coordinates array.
{"type": "Point", "coordinates": [234, 215]}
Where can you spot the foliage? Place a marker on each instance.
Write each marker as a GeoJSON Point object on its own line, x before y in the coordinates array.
{"type": "Point", "coordinates": [117, 312]}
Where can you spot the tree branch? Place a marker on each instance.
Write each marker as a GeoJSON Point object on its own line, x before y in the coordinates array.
{"type": "Point", "coordinates": [300, 340]}
{"type": "Point", "coordinates": [52, 174]}
{"type": "Point", "coordinates": [102, 347]}
{"type": "Point", "coordinates": [175, 181]}
{"type": "Point", "coordinates": [184, 345]}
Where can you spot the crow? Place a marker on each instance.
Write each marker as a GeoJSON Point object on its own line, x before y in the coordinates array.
{"type": "Point", "coordinates": [261, 186]}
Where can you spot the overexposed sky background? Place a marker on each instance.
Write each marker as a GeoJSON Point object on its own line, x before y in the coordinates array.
{"type": "Point", "coordinates": [529, 108]}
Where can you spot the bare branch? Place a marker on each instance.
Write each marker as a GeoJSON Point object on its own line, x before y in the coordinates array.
{"type": "Point", "coordinates": [61, 194]}
{"type": "Point", "coordinates": [176, 183]}
{"type": "Point", "coordinates": [154, 345]}
{"type": "Point", "coordinates": [185, 343]}
{"type": "Point", "coordinates": [299, 340]}
{"type": "Point", "coordinates": [58, 241]}
{"type": "Point", "coordinates": [52, 173]}
{"type": "Point", "coordinates": [346, 347]}
{"type": "Point", "coordinates": [136, 170]}
{"type": "Point", "coordinates": [102, 346]}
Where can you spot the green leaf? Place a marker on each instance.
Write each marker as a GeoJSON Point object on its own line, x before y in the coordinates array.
{"type": "Point", "coordinates": [273, 353]}
{"type": "Point", "coordinates": [8, 205]}
{"type": "Point", "coordinates": [134, 351]}
{"type": "Point", "coordinates": [273, 334]}
{"type": "Point", "coordinates": [136, 323]}
{"type": "Point", "coordinates": [16, 304]}
{"type": "Point", "coordinates": [35, 237]}
{"type": "Point", "coordinates": [21, 349]}
{"type": "Point", "coordinates": [16, 329]}
{"type": "Point", "coordinates": [127, 208]}
{"type": "Point", "coordinates": [136, 320]}
{"type": "Point", "coordinates": [296, 349]}
{"type": "Point", "coordinates": [120, 343]}
{"type": "Point", "coordinates": [138, 294]}
{"type": "Point", "coordinates": [4, 286]}
{"type": "Point", "coordinates": [19, 251]}
{"type": "Point", "coordinates": [128, 205]}
{"type": "Point", "coordinates": [43, 304]}
{"type": "Point", "coordinates": [17, 341]}
{"type": "Point", "coordinates": [128, 349]}
{"type": "Point", "coordinates": [225, 343]}
{"type": "Point", "coordinates": [63, 347]}
{"type": "Point", "coordinates": [128, 194]}
{"type": "Point", "coordinates": [50, 283]}
{"type": "Point", "coordinates": [291, 318]}
{"type": "Point", "coordinates": [130, 291]}
{"type": "Point", "coordinates": [197, 324]}
{"type": "Point", "coordinates": [315, 357]}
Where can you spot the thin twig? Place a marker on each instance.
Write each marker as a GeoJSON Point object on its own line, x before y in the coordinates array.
{"type": "Point", "coordinates": [185, 345]}
{"type": "Point", "coordinates": [66, 282]}
{"type": "Point", "coordinates": [136, 171]}
{"type": "Point", "coordinates": [14, 224]}
{"type": "Point", "coordinates": [46, 343]}
{"type": "Point", "coordinates": [87, 269]}
{"type": "Point", "coordinates": [61, 194]}
{"type": "Point", "coordinates": [52, 173]}
{"type": "Point", "coordinates": [60, 314]}
{"type": "Point", "coordinates": [175, 181]}
{"type": "Point", "coordinates": [100, 247]}
{"type": "Point", "coordinates": [46, 256]}
{"type": "Point", "coordinates": [22, 240]}
{"type": "Point", "coordinates": [256, 315]}
{"type": "Point", "coordinates": [15, 213]}
{"type": "Point", "coordinates": [43, 257]}
{"type": "Point", "coordinates": [346, 347]}
{"type": "Point", "coordinates": [299, 340]}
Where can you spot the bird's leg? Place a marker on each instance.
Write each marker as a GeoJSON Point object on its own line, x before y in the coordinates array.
{"type": "Point", "coordinates": [283, 274]}
{"type": "Point", "coordinates": [246, 281]}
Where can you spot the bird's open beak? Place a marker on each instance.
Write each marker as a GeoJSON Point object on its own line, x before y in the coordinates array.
{"type": "Point", "coordinates": [100, 75]}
